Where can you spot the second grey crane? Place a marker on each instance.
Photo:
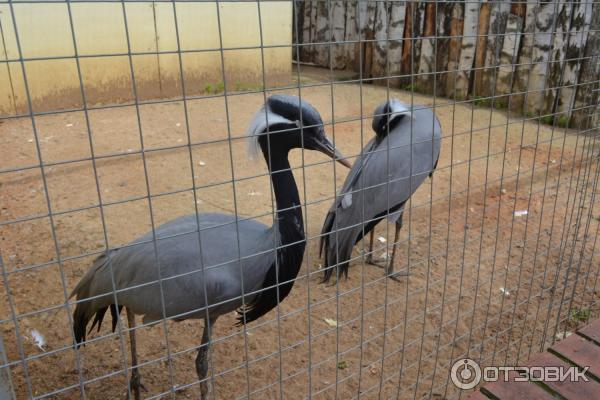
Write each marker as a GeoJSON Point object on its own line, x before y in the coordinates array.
{"type": "Point", "coordinates": [190, 267]}
{"type": "Point", "coordinates": [407, 144]}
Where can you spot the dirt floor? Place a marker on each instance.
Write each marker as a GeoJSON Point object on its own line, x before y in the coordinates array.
{"type": "Point", "coordinates": [486, 279]}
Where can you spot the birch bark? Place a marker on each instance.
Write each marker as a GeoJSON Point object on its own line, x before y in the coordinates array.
{"type": "Point", "coordinates": [578, 34]}
{"type": "Point", "coordinates": [508, 55]}
{"type": "Point", "coordinates": [542, 46]}
{"type": "Point", "coordinates": [499, 11]}
{"type": "Point", "coordinates": [467, 49]}
{"type": "Point", "coordinates": [587, 99]}
{"type": "Point", "coordinates": [521, 78]}
{"type": "Point", "coordinates": [380, 46]}
{"type": "Point", "coordinates": [557, 55]}
{"type": "Point", "coordinates": [396, 33]}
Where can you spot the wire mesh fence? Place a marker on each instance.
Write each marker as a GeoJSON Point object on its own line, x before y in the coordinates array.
{"type": "Point", "coordinates": [472, 131]}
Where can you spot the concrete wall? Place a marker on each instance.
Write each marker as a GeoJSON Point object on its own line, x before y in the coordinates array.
{"type": "Point", "coordinates": [45, 31]}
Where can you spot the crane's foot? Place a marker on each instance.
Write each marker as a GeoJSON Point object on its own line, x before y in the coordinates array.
{"type": "Point", "coordinates": [395, 276]}
{"type": "Point", "coordinates": [386, 266]}
{"type": "Point", "coordinates": [136, 384]}
{"type": "Point", "coordinates": [370, 260]}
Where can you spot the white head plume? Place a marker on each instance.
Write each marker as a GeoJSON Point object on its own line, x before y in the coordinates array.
{"type": "Point", "coordinates": [262, 119]}
{"type": "Point", "coordinates": [397, 109]}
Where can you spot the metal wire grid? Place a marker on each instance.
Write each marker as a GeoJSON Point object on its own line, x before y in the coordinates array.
{"type": "Point", "coordinates": [575, 230]}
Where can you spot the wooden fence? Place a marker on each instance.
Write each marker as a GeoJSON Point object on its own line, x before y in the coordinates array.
{"type": "Point", "coordinates": [538, 58]}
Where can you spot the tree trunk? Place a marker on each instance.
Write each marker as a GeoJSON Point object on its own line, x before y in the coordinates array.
{"type": "Point", "coordinates": [351, 35]}
{"type": "Point", "coordinates": [557, 57]}
{"type": "Point", "coordinates": [521, 78]}
{"type": "Point", "coordinates": [468, 47]}
{"type": "Point", "coordinates": [308, 30]}
{"type": "Point", "coordinates": [552, 66]}
{"type": "Point", "coordinates": [380, 46]}
{"type": "Point", "coordinates": [442, 45]}
{"type": "Point", "coordinates": [396, 33]}
{"type": "Point", "coordinates": [580, 23]}
{"type": "Point", "coordinates": [322, 35]}
{"type": "Point", "coordinates": [587, 98]}
{"type": "Point", "coordinates": [456, 30]}
{"type": "Point", "coordinates": [407, 49]}
{"type": "Point", "coordinates": [419, 28]}
{"type": "Point", "coordinates": [338, 25]}
{"type": "Point", "coordinates": [297, 29]}
{"type": "Point", "coordinates": [495, 41]}
{"type": "Point", "coordinates": [508, 57]}
{"type": "Point", "coordinates": [542, 45]}
{"type": "Point", "coordinates": [482, 30]}
{"type": "Point", "coordinates": [427, 59]}
{"type": "Point", "coordinates": [365, 21]}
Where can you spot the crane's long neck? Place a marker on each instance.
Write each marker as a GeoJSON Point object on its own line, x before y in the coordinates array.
{"type": "Point", "coordinates": [289, 211]}
{"type": "Point", "coordinates": [281, 276]}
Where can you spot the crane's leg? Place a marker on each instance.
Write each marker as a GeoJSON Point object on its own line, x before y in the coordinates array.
{"type": "Point", "coordinates": [390, 266]}
{"type": "Point", "coordinates": [135, 382]}
{"type": "Point", "coordinates": [370, 254]}
{"type": "Point", "coordinates": [202, 359]}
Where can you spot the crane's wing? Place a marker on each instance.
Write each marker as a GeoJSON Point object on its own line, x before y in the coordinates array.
{"type": "Point", "coordinates": [182, 268]}
{"type": "Point", "coordinates": [342, 199]}
{"type": "Point", "coordinates": [395, 168]}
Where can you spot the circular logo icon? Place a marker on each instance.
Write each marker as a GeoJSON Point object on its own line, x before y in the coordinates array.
{"type": "Point", "coordinates": [465, 374]}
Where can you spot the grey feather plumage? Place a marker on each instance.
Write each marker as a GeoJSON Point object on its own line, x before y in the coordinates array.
{"type": "Point", "coordinates": [380, 180]}
{"type": "Point", "coordinates": [186, 271]}
{"type": "Point", "coordinates": [192, 267]}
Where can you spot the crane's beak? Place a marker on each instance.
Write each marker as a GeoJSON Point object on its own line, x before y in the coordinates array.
{"type": "Point", "coordinates": [325, 146]}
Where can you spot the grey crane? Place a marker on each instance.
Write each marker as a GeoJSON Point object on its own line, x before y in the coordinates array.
{"type": "Point", "coordinates": [378, 185]}
{"type": "Point", "coordinates": [189, 267]}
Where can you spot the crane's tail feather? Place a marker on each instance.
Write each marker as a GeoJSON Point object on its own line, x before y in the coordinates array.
{"type": "Point", "coordinates": [327, 225]}
{"type": "Point", "coordinates": [324, 243]}
{"type": "Point", "coordinates": [98, 319]}
{"type": "Point", "coordinates": [81, 320]}
{"type": "Point", "coordinates": [95, 308]}
{"type": "Point", "coordinates": [114, 313]}
{"type": "Point", "coordinates": [337, 246]}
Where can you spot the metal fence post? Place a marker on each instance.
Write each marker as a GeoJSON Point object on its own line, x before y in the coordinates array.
{"type": "Point", "coordinates": [6, 388]}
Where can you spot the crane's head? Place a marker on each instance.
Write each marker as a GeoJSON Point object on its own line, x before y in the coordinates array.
{"type": "Point", "coordinates": [285, 123]}
{"type": "Point", "coordinates": [386, 115]}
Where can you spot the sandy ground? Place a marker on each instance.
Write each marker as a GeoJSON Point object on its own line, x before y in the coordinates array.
{"type": "Point", "coordinates": [461, 242]}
